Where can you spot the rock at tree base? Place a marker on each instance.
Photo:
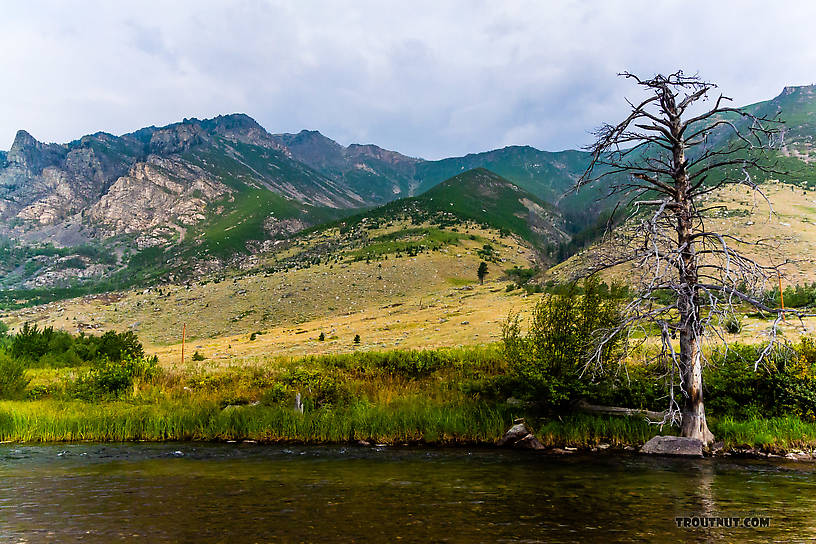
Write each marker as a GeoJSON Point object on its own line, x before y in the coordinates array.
{"type": "Point", "coordinates": [673, 445]}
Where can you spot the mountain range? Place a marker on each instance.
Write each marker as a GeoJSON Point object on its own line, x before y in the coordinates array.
{"type": "Point", "coordinates": [215, 188]}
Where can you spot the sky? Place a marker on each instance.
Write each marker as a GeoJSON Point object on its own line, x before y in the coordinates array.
{"type": "Point", "coordinates": [429, 79]}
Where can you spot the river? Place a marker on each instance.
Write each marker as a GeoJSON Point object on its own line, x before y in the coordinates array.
{"type": "Point", "coordinates": [195, 492]}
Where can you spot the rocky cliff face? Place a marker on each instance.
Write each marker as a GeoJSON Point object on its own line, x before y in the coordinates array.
{"type": "Point", "coordinates": [155, 177]}
{"type": "Point", "coordinates": [157, 192]}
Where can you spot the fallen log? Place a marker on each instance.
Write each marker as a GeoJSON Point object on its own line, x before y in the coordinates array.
{"type": "Point", "coordinates": [584, 406]}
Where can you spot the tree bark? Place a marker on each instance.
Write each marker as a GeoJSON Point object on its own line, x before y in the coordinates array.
{"type": "Point", "coordinates": [694, 423]}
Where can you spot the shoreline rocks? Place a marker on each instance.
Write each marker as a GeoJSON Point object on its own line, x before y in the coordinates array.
{"type": "Point", "coordinates": [520, 436]}
{"type": "Point", "coordinates": [673, 445]}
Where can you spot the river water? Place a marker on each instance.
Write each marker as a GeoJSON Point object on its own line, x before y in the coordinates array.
{"type": "Point", "coordinates": [198, 493]}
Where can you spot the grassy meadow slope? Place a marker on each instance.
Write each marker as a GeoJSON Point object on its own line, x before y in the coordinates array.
{"type": "Point", "coordinates": [398, 298]}
{"type": "Point", "coordinates": [786, 228]}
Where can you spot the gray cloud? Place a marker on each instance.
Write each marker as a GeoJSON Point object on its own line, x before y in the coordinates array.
{"type": "Point", "coordinates": [428, 78]}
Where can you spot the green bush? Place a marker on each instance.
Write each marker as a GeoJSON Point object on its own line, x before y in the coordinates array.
{"type": "Point", "coordinates": [13, 380]}
{"type": "Point", "coordinates": [275, 395]}
{"type": "Point", "coordinates": [117, 346]}
{"type": "Point", "coordinates": [109, 378]}
{"type": "Point", "coordinates": [783, 384]}
{"type": "Point", "coordinates": [42, 391]}
{"type": "Point", "coordinates": [198, 357]}
{"type": "Point", "coordinates": [320, 388]}
{"type": "Point", "coordinates": [548, 360]}
{"type": "Point", "coordinates": [637, 386]}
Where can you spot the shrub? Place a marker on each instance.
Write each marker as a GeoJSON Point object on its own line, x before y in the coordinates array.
{"type": "Point", "coordinates": [356, 338]}
{"type": "Point", "coordinates": [13, 380]}
{"type": "Point", "coordinates": [49, 347]}
{"type": "Point", "coordinates": [68, 358]}
{"type": "Point", "coordinates": [641, 386]}
{"type": "Point", "coordinates": [117, 346]}
{"type": "Point", "coordinates": [197, 356]}
{"type": "Point", "coordinates": [548, 359]}
{"type": "Point", "coordinates": [784, 384]}
{"type": "Point", "coordinates": [41, 391]}
{"type": "Point", "coordinates": [320, 388]}
{"type": "Point", "coordinates": [322, 337]}
{"type": "Point", "coordinates": [112, 378]}
{"type": "Point", "coordinates": [31, 342]}
{"type": "Point", "coordinates": [275, 395]}
{"type": "Point", "coordinates": [521, 275]}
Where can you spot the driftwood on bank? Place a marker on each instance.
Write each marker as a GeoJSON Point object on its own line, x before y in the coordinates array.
{"type": "Point", "coordinates": [584, 406]}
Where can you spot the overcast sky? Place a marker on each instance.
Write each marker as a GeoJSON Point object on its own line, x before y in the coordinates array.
{"type": "Point", "coordinates": [429, 79]}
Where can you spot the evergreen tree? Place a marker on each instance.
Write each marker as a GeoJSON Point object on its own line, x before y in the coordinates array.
{"type": "Point", "coordinates": [482, 272]}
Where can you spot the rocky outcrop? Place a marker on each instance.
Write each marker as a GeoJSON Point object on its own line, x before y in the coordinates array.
{"type": "Point", "coordinates": [31, 156]}
{"type": "Point", "coordinates": [156, 193]}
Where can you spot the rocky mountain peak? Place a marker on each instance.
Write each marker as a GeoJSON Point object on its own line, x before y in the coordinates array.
{"type": "Point", "coordinates": [23, 140]}
{"type": "Point", "coordinates": [377, 152]}
{"type": "Point", "coordinates": [177, 138]}
{"type": "Point", "coordinates": [314, 149]}
{"type": "Point", "coordinates": [240, 127]}
{"type": "Point", "coordinates": [32, 155]}
{"type": "Point", "coordinates": [311, 138]}
{"type": "Point", "coordinates": [806, 90]}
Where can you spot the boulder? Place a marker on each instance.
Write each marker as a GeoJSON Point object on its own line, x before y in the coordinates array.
{"type": "Point", "coordinates": [673, 445]}
{"type": "Point", "coordinates": [520, 436]}
{"type": "Point", "coordinates": [529, 442]}
{"type": "Point", "coordinates": [514, 434]}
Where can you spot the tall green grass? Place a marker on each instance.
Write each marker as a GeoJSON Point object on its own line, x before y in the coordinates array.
{"type": "Point", "coordinates": [584, 430]}
{"type": "Point", "coordinates": [771, 434]}
{"type": "Point", "coordinates": [406, 420]}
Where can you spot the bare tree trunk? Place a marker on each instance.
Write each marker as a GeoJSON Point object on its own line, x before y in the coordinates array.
{"type": "Point", "coordinates": [694, 423]}
{"type": "Point", "coordinates": [693, 414]}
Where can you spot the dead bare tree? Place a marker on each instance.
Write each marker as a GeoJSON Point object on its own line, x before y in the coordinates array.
{"type": "Point", "coordinates": [671, 151]}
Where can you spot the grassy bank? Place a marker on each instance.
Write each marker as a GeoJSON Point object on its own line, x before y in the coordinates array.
{"type": "Point", "coordinates": [439, 397]}
{"type": "Point", "coordinates": [400, 422]}
{"type": "Point", "coordinates": [405, 421]}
